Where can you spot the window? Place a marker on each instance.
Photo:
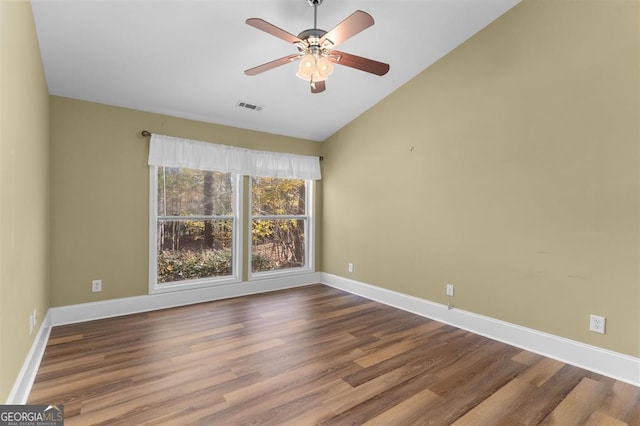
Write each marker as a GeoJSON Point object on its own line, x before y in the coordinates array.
{"type": "Point", "coordinates": [196, 227]}
{"type": "Point", "coordinates": [196, 217]}
{"type": "Point", "coordinates": [280, 224]}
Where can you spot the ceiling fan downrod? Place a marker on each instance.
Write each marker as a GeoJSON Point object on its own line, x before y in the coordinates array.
{"type": "Point", "coordinates": [315, 4]}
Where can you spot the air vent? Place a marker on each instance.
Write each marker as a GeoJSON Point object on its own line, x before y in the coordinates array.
{"type": "Point", "coordinates": [247, 105]}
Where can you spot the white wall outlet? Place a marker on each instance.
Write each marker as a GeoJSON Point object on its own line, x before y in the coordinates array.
{"type": "Point", "coordinates": [597, 324]}
{"type": "Point", "coordinates": [450, 290]}
{"type": "Point", "coordinates": [31, 324]}
{"type": "Point", "coordinates": [350, 267]}
{"type": "Point", "coordinates": [96, 286]}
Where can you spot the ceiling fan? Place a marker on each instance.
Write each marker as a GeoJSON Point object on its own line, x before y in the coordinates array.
{"type": "Point", "coordinates": [315, 48]}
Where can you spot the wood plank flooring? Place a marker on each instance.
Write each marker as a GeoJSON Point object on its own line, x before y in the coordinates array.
{"type": "Point", "coordinates": [307, 356]}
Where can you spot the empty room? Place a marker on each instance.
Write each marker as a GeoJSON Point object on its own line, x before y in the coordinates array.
{"type": "Point", "coordinates": [312, 212]}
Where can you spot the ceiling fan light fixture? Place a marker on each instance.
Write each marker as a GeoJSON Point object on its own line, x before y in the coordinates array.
{"type": "Point", "coordinates": [311, 76]}
{"type": "Point", "coordinates": [324, 67]}
{"type": "Point", "coordinates": [308, 62]}
{"type": "Point", "coordinates": [314, 69]}
{"type": "Point", "coordinates": [307, 67]}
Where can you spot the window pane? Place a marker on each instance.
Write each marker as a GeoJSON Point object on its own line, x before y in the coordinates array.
{"type": "Point", "coordinates": [277, 244]}
{"type": "Point", "coordinates": [193, 249]}
{"type": "Point", "coordinates": [188, 192]}
{"type": "Point", "coordinates": [273, 196]}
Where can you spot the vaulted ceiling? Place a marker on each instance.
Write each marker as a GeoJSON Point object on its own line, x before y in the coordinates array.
{"type": "Point", "coordinates": [186, 58]}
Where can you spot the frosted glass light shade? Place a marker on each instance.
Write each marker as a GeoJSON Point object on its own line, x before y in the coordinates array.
{"type": "Point", "coordinates": [324, 67]}
{"type": "Point", "coordinates": [307, 67]}
{"type": "Point", "coordinates": [312, 69]}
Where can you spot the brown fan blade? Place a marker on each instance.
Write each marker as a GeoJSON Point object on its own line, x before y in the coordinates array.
{"type": "Point", "coordinates": [320, 86]}
{"type": "Point", "coordinates": [352, 25]}
{"type": "Point", "coordinates": [263, 25]}
{"type": "Point", "coordinates": [272, 64]}
{"type": "Point", "coordinates": [358, 62]}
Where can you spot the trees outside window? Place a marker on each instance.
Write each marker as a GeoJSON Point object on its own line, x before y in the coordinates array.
{"type": "Point", "coordinates": [195, 224]}
{"type": "Point", "coordinates": [279, 224]}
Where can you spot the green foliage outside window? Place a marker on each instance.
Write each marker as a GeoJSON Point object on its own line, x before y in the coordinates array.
{"type": "Point", "coordinates": [195, 225]}
{"type": "Point", "coordinates": [194, 236]}
{"type": "Point", "coordinates": [280, 240]}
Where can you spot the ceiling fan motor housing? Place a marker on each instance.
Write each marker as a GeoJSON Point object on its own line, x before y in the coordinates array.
{"type": "Point", "coordinates": [312, 38]}
{"type": "Point", "coordinates": [312, 33]}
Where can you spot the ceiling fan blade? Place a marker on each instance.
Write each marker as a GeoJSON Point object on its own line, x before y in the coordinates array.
{"type": "Point", "coordinates": [320, 86]}
{"type": "Point", "coordinates": [352, 25]}
{"type": "Point", "coordinates": [272, 64]}
{"type": "Point", "coordinates": [263, 25]}
{"type": "Point", "coordinates": [358, 62]}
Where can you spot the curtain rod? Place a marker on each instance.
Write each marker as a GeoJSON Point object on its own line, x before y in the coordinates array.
{"type": "Point", "coordinates": [147, 133]}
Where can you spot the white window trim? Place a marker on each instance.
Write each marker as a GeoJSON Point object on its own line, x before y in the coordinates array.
{"type": "Point", "coordinates": [309, 236]}
{"type": "Point", "coordinates": [236, 262]}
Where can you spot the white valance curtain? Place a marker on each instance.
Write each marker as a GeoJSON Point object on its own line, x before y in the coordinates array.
{"type": "Point", "coordinates": [177, 152]}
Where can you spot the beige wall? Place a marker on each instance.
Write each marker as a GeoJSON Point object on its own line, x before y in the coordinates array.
{"type": "Point", "coordinates": [100, 193]}
{"type": "Point", "coordinates": [24, 189]}
{"type": "Point", "coordinates": [522, 187]}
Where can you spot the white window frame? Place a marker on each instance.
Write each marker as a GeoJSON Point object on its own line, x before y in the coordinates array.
{"type": "Point", "coordinates": [309, 235]}
{"type": "Point", "coordinates": [236, 261]}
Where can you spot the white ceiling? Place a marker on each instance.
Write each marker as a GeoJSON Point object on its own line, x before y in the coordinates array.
{"type": "Point", "coordinates": [186, 58]}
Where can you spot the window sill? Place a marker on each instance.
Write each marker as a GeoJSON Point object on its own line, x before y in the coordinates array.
{"type": "Point", "coordinates": [256, 276]}
{"type": "Point", "coordinates": [192, 284]}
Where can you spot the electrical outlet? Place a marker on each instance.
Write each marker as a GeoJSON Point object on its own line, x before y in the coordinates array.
{"type": "Point", "coordinates": [30, 324]}
{"type": "Point", "coordinates": [450, 290]}
{"type": "Point", "coordinates": [350, 267]}
{"type": "Point", "coordinates": [96, 286]}
{"type": "Point", "coordinates": [597, 324]}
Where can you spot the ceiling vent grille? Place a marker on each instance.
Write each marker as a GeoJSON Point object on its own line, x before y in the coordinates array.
{"type": "Point", "coordinates": [247, 105]}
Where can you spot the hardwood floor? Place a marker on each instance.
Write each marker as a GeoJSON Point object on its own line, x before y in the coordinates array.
{"type": "Point", "coordinates": [313, 355]}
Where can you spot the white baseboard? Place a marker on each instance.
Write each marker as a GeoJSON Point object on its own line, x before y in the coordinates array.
{"type": "Point", "coordinates": [132, 305]}
{"type": "Point", "coordinates": [22, 386]}
{"type": "Point", "coordinates": [612, 364]}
